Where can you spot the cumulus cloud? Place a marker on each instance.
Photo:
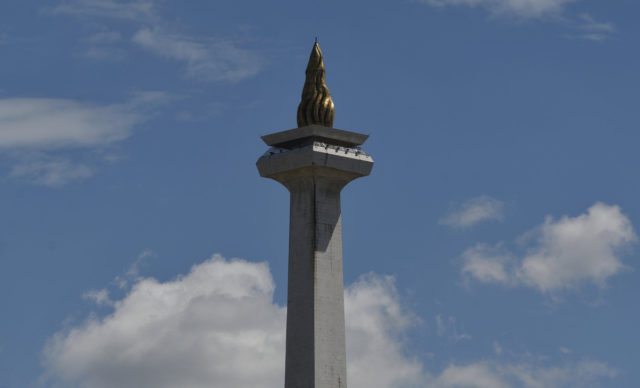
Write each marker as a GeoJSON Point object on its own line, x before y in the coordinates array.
{"type": "Point", "coordinates": [560, 254]}
{"type": "Point", "coordinates": [520, 8]}
{"type": "Point", "coordinates": [376, 327]}
{"type": "Point", "coordinates": [218, 326]}
{"type": "Point", "coordinates": [203, 329]}
{"type": "Point", "coordinates": [488, 264]}
{"type": "Point", "coordinates": [575, 249]}
{"type": "Point", "coordinates": [199, 330]}
{"type": "Point", "coordinates": [474, 211]}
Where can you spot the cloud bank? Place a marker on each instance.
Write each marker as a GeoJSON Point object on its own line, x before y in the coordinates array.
{"type": "Point", "coordinates": [560, 254]}
{"type": "Point", "coordinates": [218, 326]}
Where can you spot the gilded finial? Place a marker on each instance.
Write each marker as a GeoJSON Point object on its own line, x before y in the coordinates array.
{"type": "Point", "coordinates": [316, 106]}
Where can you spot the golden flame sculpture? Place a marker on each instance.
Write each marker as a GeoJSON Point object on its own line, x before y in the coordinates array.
{"type": "Point", "coordinates": [316, 106]}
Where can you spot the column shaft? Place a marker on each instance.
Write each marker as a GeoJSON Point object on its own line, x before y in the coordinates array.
{"type": "Point", "coordinates": [316, 355]}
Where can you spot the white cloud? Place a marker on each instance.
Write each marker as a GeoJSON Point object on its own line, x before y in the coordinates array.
{"type": "Point", "coordinates": [49, 123]}
{"type": "Point", "coordinates": [591, 29]}
{"type": "Point", "coordinates": [580, 26]}
{"type": "Point", "coordinates": [205, 328]}
{"type": "Point", "coordinates": [446, 326]}
{"type": "Point", "coordinates": [102, 53]}
{"type": "Point", "coordinates": [103, 46]}
{"type": "Point", "coordinates": [33, 130]}
{"type": "Point", "coordinates": [583, 248]}
{"type": "Point", "coordinates": [133, 273]}
{"type": "Point", "coordinates": [470, 376]}
{"type": "Point", "coordinates": [99, 297]}
{"type": "Point", "coordinates": [487, 264]}
{"type": "Point", "coordinates": [52, 173]}
{"type": "Point", "coordinates": [135, 10]}
{"type": "Point", "coordinates": [475, 210]}
{"type": "Point", "coordinates": [519, 8]}
{"type": "Point", "coordinates": [563, 253]}
{"type": "Point", "coordinates": [54, 123]}
{"type": "Point", "coordinates": [199, 330]}
{"type": "Point", "coordinates": [134, 270]}
{"type": "Point", "coordinates": [488, 374]}
{"type": "Point", "coordinates": [105, 37]}
{"type": "Point", "coordinates": [208, 59]}
{"type": "Point", "coordinates": [218, 326]}
{"type": "Point", "coordinates": [497, 348]}
{"type": "Point", "coordinates": [376, 326]}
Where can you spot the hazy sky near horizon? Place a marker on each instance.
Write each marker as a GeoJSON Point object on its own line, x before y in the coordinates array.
{"type": "Point", "coordinates": [494, 245]}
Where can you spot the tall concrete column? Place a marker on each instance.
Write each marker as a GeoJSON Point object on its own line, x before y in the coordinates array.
{"type": "Point", "coordinates": [315, 317]}
{"type": "Point", "coordinates": [315, 163]}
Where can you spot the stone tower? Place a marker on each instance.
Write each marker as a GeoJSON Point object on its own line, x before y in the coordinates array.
{"type": "Point", "coordinates": [314, 162]}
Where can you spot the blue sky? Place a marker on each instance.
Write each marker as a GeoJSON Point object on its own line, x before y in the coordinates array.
{"type": "Point", "coordinates": [493, 245]}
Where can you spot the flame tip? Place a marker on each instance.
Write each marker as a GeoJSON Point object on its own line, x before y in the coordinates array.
{"type": "Point", "coordinates": [316, 106]}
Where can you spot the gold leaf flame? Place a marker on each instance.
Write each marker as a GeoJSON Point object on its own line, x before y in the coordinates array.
{"type": "Point", "coordinates": [316, 106]}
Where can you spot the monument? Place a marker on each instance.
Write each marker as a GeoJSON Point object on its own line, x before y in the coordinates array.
{"type": "Point", "coordinates": [314, 162]}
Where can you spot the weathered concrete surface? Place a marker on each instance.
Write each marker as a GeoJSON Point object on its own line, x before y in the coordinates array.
{"type": "Point", "coordinates": [315, 173]}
